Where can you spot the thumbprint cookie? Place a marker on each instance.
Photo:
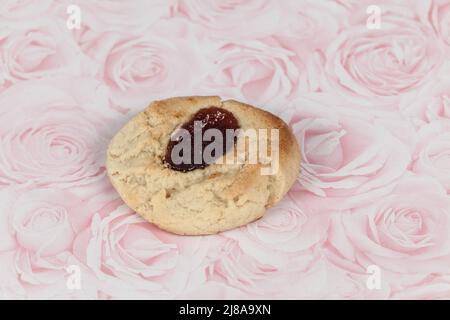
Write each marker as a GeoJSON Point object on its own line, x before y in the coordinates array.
{"type": "Point", "coordinates": [200, 165]}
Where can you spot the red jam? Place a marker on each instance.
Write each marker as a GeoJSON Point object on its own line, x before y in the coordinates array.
{"type": "Point", "coordinates": [208, 118]}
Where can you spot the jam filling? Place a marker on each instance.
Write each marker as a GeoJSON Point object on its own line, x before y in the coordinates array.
{"type": "Point", "coordinates": [204, 119]}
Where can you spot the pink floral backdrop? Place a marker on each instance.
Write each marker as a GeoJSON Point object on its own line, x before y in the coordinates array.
{"type": "Point", "coordinates": [370, 107]}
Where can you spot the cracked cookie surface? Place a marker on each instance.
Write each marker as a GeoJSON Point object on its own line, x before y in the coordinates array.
{"type": "Point", "coordinates": [219, 197]}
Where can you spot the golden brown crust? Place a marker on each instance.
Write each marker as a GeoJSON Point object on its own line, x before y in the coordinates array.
{"type": "Point", "coordinates": [203, 201]}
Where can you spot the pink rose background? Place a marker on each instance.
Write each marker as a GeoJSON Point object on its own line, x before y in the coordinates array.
{"type": "Point", "coordinates": [369, 107]}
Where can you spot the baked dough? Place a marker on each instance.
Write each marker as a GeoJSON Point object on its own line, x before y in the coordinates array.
{"type": "Point", "coordinates": [219, 197]}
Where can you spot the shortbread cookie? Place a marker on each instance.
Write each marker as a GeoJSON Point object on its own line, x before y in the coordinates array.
{"type": "Point", "coordinates": [199, 198]}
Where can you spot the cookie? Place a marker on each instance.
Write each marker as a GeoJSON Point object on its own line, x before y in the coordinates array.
{"type": "Point", "coordinates": [155, 163]}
